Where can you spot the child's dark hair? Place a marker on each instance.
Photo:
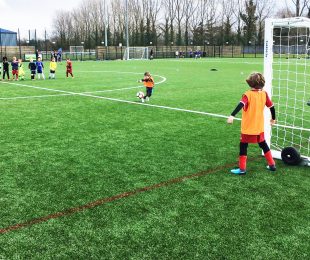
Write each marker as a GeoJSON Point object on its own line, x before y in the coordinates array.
{"type": "Point", "coordinates": [147, 74]}
{"type": "Point", "coordinates": [4, 58]}
{"type": "Point", "coordinates": [256, 80]}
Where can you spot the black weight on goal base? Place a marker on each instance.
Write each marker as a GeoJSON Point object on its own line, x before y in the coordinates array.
{"type": "Point", "coordinates": [291, 156]}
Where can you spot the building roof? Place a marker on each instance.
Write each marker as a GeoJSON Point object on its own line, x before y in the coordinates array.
{"type": "Point", "coordinates": [5, 31]}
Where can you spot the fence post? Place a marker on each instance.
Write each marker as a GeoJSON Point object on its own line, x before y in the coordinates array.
{"type": "Point", "coordinates": [1, 43]}
{"type": "Point", "coordinates": [232, 50]}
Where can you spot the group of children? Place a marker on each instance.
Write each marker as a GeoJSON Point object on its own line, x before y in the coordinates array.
{"type": "Point", "coordinates": [252, 105]}
{"type": "Point", "coordinates": [35, 67]}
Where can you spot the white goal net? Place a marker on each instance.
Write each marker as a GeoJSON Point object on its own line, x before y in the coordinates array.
{"type": "Point", "coordinates": [287, 73]}
{"type": "Point", "coordinates": [76, 49]}
{"type": "Point", "coordinates": [136, 53]}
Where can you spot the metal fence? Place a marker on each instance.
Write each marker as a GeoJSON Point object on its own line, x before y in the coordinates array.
{"type": "Point", "coordinates": [159, 52]}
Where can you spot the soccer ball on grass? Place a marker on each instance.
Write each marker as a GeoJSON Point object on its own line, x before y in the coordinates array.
{"type": "Point", "coordinates": [140, 95]}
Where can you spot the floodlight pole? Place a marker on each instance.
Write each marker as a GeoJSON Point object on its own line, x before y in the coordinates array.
{"type": "Point", "coordinates": [20, 49]}
{"type": "Point", "coordinates": [127, 32]}
{"type": "Point", "coordinates": [106, 24]}
{"type": "Point", "coordinates": [105, 11]}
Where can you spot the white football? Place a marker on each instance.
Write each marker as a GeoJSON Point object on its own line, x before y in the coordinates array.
{"type": "Point", "coordinates": [140, 94]}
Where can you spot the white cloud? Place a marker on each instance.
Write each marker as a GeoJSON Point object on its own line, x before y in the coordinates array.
{"type": "Point", "coordinates": [3, 4]}
{"type": "Point", "coordinates": [32, 14]}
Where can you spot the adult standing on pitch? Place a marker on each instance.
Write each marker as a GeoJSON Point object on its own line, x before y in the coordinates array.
{"type": "Point", "coordinates": [253, 103]}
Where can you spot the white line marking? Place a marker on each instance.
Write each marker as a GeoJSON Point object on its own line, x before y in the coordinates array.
{"type": "Point", "coordinates": [29, 97]}
{"type": "Point", "coordinates": [75, 93]}
{"type": "Point", "coordinates": [111, 90]}
{"type": "Point", "coordinates": [124, 72]}
{"type": "Point", "coordinates": [144, 104]}
{"type": "Point", "coordinates": [59, 95]}
{"type": "Point", "coordinates": [121, 100]}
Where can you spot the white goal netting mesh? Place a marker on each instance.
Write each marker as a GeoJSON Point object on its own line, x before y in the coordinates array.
{"type": "Point", "coordinates": [136, 53]}
{"type": "Point", "coordinates": [76, 49]}
{"type": "Point", "coordinates": [291, 87]}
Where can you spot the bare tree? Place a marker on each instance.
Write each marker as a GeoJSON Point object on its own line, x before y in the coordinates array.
{"type": "Point", "coordinates": [118, 21]}
{"type": "Point", "coordinates": [264, 9]}
{"type": "Point", "coordinates": [168, 21]}
{"type": "Point", "coordinates": [136, 16]}
{"type": "Point", "coordinates": [226, 20]}
{"type": "Point", "coordinates": [300, 6]}
{"type": "Point", "coordinates": [62, 27]}
{"type": "Point", "coordinates": [170, 14]}
{"type": "Point", "coordinates": [180, 10]}
{"type": "Point", "coordinates": [204, 22]}
{"type": "Point", "coordinates": [190, 10]}
{"type": "Point", "coordinates": [154, 10]}
{"type": "Point", "coordinates": [249, 18]}
{"type": "Point", "coordinates": [237, 11]}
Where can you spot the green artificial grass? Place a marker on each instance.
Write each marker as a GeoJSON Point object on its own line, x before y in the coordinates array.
{"type": "Point", "coordinates": [68, 150]}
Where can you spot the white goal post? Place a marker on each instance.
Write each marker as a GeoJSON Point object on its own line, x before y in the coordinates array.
{"type": "Point", "coordinates": [287, 74]}
{"type": "Point", "coordinates": [136, 53]}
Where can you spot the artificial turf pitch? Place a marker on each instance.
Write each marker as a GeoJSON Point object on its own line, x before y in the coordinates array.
{"type": "Point", "coordinates": [87, 171]}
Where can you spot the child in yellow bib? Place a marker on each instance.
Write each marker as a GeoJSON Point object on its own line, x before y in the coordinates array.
{"type": "Point", "coordinates": [53, 67]}
{"type": "Point", "coordinates": [21, 72]}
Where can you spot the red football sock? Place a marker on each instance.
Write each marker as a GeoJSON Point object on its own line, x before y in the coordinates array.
{"type": "Point", "coordinates": [269, 158]}
{"type": "Point", "coordinates": [242, 162]}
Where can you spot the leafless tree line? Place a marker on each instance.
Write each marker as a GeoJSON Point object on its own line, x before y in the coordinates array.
{"type": "Point", "coordinates": [170, 22]}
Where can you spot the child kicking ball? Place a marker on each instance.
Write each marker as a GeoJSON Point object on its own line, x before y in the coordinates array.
{"type": "Point", "coordinates": [149, 84]}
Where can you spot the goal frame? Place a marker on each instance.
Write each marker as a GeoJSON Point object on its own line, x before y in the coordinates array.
{"type": "Point", "coordinates": [76, 49]}
{"type": "Point", "coordinates": [129, 50]}
{"type": "Point", "coordinates": [270, 24]}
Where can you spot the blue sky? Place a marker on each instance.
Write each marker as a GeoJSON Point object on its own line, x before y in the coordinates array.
{"type": "Point", "coordinates": [32, 14]}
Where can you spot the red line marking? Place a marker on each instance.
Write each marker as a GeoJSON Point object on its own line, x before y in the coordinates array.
{"type": "Point", "coordinates": [102, 201]}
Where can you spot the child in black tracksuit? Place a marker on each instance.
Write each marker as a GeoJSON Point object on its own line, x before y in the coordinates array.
{"type": "Point", "coordinates": [33, 67]}
{"type": "Point", "coordinates": [5, 64]}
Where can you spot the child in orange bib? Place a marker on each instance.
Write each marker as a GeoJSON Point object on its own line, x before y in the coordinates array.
{"type": "Point", "coordinates": [149, 84]}
{"type": "Point", "coordinates": [253, 103]}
